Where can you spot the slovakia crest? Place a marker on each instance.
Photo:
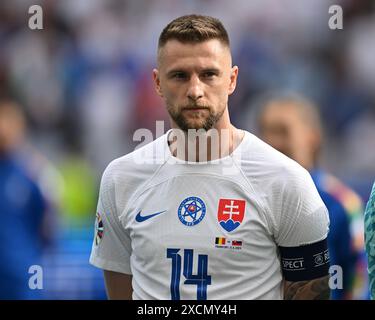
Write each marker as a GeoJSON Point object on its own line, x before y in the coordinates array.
{"type": "Point", "coordinates": [191, 211]}
{"type": "Point", "coordinates": [231, 213]}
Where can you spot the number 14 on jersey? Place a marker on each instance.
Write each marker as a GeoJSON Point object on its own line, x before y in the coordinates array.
{"type": "Point", "coordinates": [201, 279]}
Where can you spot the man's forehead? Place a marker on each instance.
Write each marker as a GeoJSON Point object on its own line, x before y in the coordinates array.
{"type": "Point", "coordinates": [281, 112]}
{"type": "Point", "coordinates": [175, 51]}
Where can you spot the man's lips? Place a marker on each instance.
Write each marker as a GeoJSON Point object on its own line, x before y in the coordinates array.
{"type": "Point", "coordinates": [194, 108]}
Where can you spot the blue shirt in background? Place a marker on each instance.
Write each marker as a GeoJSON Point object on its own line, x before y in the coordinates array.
{"type": "Point", "coordinates": [345, 238]}
{"type": "Point", "coordinates": [22, 207]}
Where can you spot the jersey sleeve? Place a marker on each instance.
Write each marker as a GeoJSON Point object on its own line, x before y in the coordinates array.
{"type": "Point", "coordinates": [302, 228]}
{"type": "Point", "coordinates": [111, 248]}
{"type": "Point", "coordinates": [303, 217]}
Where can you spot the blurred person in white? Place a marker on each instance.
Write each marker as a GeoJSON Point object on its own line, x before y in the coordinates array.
{"type": "Point", "coordinates": [291, 124]}
{"type": "Point", "coordinates": [23, 208]}
{"type": "Point", "coordinates": [179, 227]}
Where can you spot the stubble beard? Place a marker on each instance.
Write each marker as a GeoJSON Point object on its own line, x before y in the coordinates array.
{"type": "Point", "coordinates": [185, 124]}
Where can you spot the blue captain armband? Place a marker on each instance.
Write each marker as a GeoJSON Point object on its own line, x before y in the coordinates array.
{"type": "Point", "coordinates": [305, 262]}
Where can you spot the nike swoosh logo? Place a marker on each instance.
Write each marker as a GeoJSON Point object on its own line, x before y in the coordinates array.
{"type": "Point", "coordinates": [140, 218]}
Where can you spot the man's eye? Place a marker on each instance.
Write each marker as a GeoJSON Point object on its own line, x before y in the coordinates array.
{"type": "Point", "coordinates": [209, 74]}
{"type": "Point", "coordinates": [179, 75]}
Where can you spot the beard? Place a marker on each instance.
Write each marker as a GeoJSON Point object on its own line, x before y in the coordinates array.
{"type": "Point", "coordinates": [199, 121]}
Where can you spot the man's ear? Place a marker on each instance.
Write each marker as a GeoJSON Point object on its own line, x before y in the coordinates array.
{"type": "Point", "coordinates": [233, 80]}
{"type": "Point", "coordinates": [155, 74]}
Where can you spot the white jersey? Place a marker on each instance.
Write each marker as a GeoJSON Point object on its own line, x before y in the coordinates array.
{"type": "Point", "coordinates": [205, 230]}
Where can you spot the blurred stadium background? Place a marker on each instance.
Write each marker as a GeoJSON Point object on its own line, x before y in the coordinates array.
{"type": "Point", "coordinates": [85, 85]}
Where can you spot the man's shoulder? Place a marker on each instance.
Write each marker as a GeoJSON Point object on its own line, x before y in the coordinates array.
{"type": "Point", "coordinates": [137, 165]}
{"type": "Point", "coordinates": [261, 159]}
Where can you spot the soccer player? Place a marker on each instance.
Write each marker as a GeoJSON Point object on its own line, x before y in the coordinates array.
{"type": "Point", "coordinates": [292, 125]}
{"type": "Point", "coordinates": [370, 240]}
{"type": "Point", "coordinates": [242, 221]}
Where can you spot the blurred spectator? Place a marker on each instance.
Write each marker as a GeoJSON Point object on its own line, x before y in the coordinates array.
{"type": "Point", "coordinates": [291, 124]}
{"type": "Point", "coordinates": [23, 209]}
{"type": "Point", "coordinates": [370, 240]}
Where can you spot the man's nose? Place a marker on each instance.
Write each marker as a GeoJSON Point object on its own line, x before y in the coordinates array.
{"type": "Point", "coordinates": [195, 90]}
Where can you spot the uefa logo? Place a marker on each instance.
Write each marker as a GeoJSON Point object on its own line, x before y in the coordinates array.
{"type": "Point", "coordinates": [99, 229]}
{"type": "Point", "coordinates": [191, 211]}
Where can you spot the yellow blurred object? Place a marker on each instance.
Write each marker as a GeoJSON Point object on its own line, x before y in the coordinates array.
{"type": "Point", "coordinates": [78, 198]}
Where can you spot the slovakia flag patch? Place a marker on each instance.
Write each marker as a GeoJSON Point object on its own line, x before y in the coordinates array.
{"type": "Point", "coordinates": [231, 213]}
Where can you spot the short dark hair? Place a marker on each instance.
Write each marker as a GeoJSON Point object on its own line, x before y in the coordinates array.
{"type": "Point", "coordinates": [194, 28]}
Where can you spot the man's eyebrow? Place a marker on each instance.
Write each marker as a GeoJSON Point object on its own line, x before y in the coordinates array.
{"type": "Point", "coordinates": [214, 70]}
{"type": "Point", "coordinates": [179, 70]}
{"type": "Point", "coordinates": [174, 71]}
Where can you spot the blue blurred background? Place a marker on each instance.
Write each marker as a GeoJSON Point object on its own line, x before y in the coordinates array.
{"type": "Point", "coordinates": [84, 85]}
